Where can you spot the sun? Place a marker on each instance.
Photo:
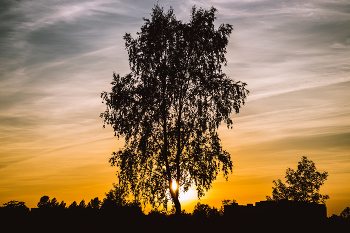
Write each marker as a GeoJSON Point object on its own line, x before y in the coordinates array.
{"type": "Point", "coordinates": [174, 185]}
{"type": "Point", "coordinates": [191, 194]}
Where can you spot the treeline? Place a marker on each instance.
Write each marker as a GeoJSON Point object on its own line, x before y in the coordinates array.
{"type": "Point", "coordinates": [115, 198]}
{"type": "Point", "coordinates": [116, 213]}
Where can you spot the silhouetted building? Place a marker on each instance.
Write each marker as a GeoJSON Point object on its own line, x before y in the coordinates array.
{"type": "Point", "coordinates": [281, 210]}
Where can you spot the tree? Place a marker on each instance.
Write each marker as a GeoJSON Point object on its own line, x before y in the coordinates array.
{"type": "Point", "coordinates": [44, 202]}
{"type": "Point", "coordinates": [115, 198]}
{"type": "Point", "coordinates": [228, 202]}
{"type": "Point", "coordinates": [54, 203]}
{"type": "Point", "coordinates": [345, 213]}
{"type": "Point", "coordinates": [73, 206]}
{"type": "Point", "coordinates": [204, 210]}
{"type": "Point", "coordinates": [62, 205]}
{"type": "Point", "coordinates": [94, 203]}
{"type": "Point", "coordinates": [15, 205]}
{"type": "Point", "coordinates": [82, 205]}
{"type": "Point", "coordinates": [169, 108]}
{"type": "Point", "coordinates": [301, 185]}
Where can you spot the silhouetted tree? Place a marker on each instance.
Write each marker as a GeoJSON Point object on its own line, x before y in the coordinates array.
{"type": "Point", "coordinates": [82, 205]}
{"type": "Point", "coordinates": [94, 203]}
{"type": "Point", "coordinates": [345, 213]}
{"type": "Point", "coordinates": [228, 202]}
{"type": "Point", "coordinates": [115, 198]}
{"type": "Point", "coordinates": [170, 106]}
{"type": "Point", "coordinates": [62, 205]}
{"type": "Point", "coordinates": [54, 203]}
{"type": "Point", "coordinates": [301, 185]}
{"type": "Point", "coordinates": [73, 206]}
{"type": "Point", "coordinates": [204, 210]}
{"type": "Point", "coordinates": [15, 205]}
{"type": "Point", "coordinates": [44, 202]}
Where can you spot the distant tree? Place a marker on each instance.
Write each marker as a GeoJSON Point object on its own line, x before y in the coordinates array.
{"type": "Point", "coordinates": [228, 202]}
{"type": "Point", "coordinates": [54, 203]}
{"type": "Point", "coordinates": [204, 210]}
{"type": "Point", "coordinates": [301, 185]}
{"type": "Point", "coordinates": [345, 213]}
{"type": "Point", "coordinates": [74, 205]}
{"type": "Point", "coordinates": [15, 205]}
{"type": "Point", "coordinates": [44, 202]}
{"type": "Point", "coordinates": [82, 204]}
{"type": "Point", "coordinates": [62, 205]}
{"type": "Point", "coordinates": [94, 204]}
{"type": "Point", "coordinates": [115, 198]}
{"type": "Point", "coordinates": [170, 106]}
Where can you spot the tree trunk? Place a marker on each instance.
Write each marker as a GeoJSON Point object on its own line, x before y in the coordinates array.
{"type": "Point", "coordinates": [177, 205]}
{"type": "Point", "coordinates": [174, 194]}
{"type": "Point", "coordinates": [177, 160]}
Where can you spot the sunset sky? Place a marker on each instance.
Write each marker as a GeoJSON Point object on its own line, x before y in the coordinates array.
{"type": "Point", "coordinates": [56, 57]}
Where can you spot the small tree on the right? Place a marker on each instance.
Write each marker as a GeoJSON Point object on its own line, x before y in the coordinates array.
{"type": "Point", "coordinates": [301, 185]}
{"type": "Point", "coordinates": [345, 213]}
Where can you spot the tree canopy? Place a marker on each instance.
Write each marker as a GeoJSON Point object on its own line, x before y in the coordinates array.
{"type": "Point", "coordinates": [94, 204]}
{"type": "Point", "coordinates": [301, 185]}
{"type": "Point", "coordinates": [169, 108]}
{"type": "Point", "coordinates": [204, 210]}
{"type": "Point", "coordinates": [15, 205]}
{"type": "Point", "coordinates": [46, 203]}
{"type": "Point", "coordinates": [345, 213]}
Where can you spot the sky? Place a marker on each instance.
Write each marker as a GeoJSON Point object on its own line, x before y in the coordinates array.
{"type": "Point", "coordinates": [56, 57]}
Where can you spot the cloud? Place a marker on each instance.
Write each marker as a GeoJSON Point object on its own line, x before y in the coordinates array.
{"type": "Point", "coordinates": [287, 45]}
{"type": "Point", "coordinates": [309, 113]}
{"type": "Point", "coordinates": [339, 46]}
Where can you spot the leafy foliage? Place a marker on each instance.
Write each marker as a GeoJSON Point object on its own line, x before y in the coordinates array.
{"type": "Point", "coordinates": [54, 203]}
{"type": "Point", "coordinates": [73, 206]}
{"type": "Point", "coordinates": [46, 203]}
{"type": "Point", "coordinates": [228, 202]}
{"type": "Point", "coordinates": [15, 205]}
{"type": "Point", "coordinates": [170, 106]}
{"type": "Point", "coordinates": [94, 204]}
{"type": "Point", "coordinates": [345, 213]}
{"type": "Point", "coordinates": [301, 185]}
{"type": "Point", "coordinates": [114, 198]}
{"type": "Point", "coordinates": [62, 205]}
{"type": "Point", "coordinates": [117, 197]}
{"type": "Point", "coordinates": [82, 204]}
{"type": "Point", "coordinates": [204, 210]}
